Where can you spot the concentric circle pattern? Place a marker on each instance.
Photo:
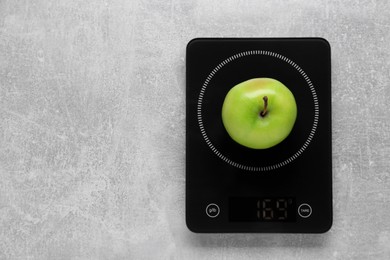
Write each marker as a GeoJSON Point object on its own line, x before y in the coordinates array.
{"type": "Point", "coordinates": [234, 163]}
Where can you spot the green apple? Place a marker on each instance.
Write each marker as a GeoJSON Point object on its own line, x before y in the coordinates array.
{"type": "Point", "coordinates": [259, 113]}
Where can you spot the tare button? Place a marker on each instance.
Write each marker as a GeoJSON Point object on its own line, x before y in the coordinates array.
{"type": "Point", "coordinates": [304, 210]}
{"type": "Point", "coordinates": [212, 210]}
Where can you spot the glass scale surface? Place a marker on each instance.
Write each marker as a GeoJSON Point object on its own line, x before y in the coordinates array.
{"type": "Point", "coordinates": [233, 189]}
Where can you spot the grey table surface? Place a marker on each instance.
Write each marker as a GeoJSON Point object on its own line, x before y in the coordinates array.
{"type": "Point", "coordinates": [92, 127]}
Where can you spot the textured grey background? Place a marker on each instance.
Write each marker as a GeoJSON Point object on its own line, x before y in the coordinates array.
{"type": "Point", "coordinates": [92, 127]}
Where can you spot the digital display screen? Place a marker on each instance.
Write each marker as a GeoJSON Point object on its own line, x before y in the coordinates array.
{"type": "Point", "coordinates": [262, 209]}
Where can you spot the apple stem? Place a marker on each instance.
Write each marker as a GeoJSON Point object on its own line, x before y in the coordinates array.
{"type": "Point", "coordinates": [264, 112]}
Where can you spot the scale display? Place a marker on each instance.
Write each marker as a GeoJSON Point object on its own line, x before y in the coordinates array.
{"type": "Point", "coordinates": [235, 186]}
{"type": "Point", "coordinates": [262, 209]}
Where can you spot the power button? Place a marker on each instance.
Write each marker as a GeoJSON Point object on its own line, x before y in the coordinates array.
{"type": "Point", "coordinates": [212, 210]}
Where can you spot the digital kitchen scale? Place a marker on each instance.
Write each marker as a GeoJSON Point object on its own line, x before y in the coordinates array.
{"type": "Point", "coordinates": [284, 189]}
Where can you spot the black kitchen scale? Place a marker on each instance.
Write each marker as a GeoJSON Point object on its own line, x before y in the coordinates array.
{"type": "Point", "coordinates": [284, 189]}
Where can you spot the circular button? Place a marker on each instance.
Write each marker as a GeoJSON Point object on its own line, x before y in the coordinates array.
{"type": "Point", "coordinates": [304, 210]}
{"type": "Point", "coordinates": [212, 210]}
